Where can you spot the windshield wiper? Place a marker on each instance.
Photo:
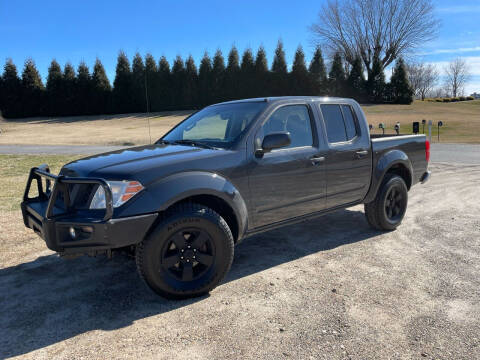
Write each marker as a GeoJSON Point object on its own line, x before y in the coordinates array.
{"type": "Point", "coordinates": [193, 143]}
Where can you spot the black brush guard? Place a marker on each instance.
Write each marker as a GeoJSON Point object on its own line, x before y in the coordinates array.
{"type": "Point", "coordinates": [93, 233]}
{"type": "Point", "coordinates": [61, 186]}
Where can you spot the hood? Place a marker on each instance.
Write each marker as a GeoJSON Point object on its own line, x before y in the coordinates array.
{"type": "Point", "coordinates": [129, 163]}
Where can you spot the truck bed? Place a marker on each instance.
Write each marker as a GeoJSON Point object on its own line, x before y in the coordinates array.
{"type": "Point", "coordinates": [412, 145]}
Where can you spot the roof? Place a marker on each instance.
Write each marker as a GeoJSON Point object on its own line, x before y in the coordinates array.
{"type": "Point", "coordinates": [283, 98]}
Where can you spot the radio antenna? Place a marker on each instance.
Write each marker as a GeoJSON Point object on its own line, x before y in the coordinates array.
{"type": "Point", "coordinates": [146, 102]}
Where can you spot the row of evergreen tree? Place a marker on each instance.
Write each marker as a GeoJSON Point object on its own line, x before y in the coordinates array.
{"type": "Point", "coordinates": [148, 85]}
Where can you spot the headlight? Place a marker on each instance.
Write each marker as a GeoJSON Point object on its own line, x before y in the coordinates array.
{"type": "Point", "coordinates": [122, 191]}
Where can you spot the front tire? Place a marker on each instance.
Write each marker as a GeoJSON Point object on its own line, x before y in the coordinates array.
{"type": "Point", "coordinates": [387, 210]}
{"type": "Point", "coordinates": [187, 254]}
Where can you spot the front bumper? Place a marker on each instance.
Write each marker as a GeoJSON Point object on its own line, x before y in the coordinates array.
{"type": "Point", "coordinates": [91, 234]}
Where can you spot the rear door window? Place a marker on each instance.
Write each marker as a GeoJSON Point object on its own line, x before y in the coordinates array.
{"type": "Point", "coordinates": [340, 122]}
{"type": "Point", "coordinates": [332, 114]}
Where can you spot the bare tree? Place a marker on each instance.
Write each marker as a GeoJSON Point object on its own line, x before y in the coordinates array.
{"type": "Point", "coordinates": [457, 75]}
{"type": "Point", "coordinates": [423, 77]}
{"type": "Point", "coordinates": [438, 92]}
{"type": "Point", "coordinates": [369, 28]}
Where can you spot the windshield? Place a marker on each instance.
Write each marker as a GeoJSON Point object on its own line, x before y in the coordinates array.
{"type": "Point", "coordinates": [216, 126]}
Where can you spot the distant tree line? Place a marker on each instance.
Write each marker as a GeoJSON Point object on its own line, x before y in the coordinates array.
{"type": "Point", "coordinates": [148, 85]}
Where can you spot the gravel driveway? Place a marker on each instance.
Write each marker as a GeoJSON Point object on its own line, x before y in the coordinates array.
{"type": "Point", "coordinates": [324, 289]}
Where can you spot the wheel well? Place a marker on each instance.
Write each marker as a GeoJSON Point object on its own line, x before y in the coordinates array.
{"type": "Point", "coordinates": [403, 172]}
{"type": "Point", "coordinates": [220, 206]}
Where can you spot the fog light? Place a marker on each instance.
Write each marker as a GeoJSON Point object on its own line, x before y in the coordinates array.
{"type": "Point", "coordinates": [72, 232]}
{"type": "Point", "coordinates": [87, 229]}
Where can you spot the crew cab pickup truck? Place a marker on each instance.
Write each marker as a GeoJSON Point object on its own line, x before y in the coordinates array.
{"type": "Point", "coordinates": [224, 173]}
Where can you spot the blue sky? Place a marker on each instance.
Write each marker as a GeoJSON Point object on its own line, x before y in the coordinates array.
{"type": "Point", "coordinates": [82, 30]}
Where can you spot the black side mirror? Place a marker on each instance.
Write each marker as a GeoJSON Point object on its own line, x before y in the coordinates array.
{"type": "Point", "coordinates": [275, 141]}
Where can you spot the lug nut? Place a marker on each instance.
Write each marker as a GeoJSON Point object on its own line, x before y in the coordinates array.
{"type": "Point", "coordinates": [188, 260]}
{"type": "Point", "coordinates": [181, 257]}
{"type": "Point", "coordinates": [188, 246]}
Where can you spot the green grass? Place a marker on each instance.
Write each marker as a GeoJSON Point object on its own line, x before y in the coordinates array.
{"type": "Point", "coordinates": [15, 170]}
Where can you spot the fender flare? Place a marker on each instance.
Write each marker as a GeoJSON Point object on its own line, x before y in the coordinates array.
{"type": "Point", "coordinates": [180, 186]}
{"type": "Point", "coordinates": [385, 163]}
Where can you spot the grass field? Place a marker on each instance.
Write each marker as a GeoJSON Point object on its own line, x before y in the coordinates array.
{"type": "Point", "coordinates": [15, 170]}
{"type": "Point", "coordinates": [461, 125]}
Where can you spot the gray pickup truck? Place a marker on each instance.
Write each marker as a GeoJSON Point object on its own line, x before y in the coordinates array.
{"type": "Point", "coordinates": [226, 172]}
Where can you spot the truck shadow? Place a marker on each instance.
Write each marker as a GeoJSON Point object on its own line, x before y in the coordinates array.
{"type": "Point", "coordinates": [50, 300]}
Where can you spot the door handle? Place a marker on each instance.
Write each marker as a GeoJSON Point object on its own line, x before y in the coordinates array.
{"type": "Point", "coordinates": [361, 153]}
{"type": "Point", "coordinates": [317, 159]}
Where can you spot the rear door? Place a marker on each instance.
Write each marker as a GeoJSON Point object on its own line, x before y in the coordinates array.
{"type": "Point", "coordinates": [288, 182]}
{"type": "Point", "coordinates": [349, 160]}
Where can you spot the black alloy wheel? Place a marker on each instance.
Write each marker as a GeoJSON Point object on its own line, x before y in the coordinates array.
{"type": "Point", "coordinates": [387, 210]}
{"type": "Point", "coordinates": [188, 254]}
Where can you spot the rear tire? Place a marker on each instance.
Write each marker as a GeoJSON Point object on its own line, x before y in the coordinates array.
{"type": "Point", "coordinates": [187, 254]}
{"type": "Point", "coordinates": [387, 210]}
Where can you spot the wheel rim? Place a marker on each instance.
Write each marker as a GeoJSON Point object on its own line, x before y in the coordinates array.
{"type": "Point", "coordinates": [188, 254]}
{"type": "Point", "coordinates": [394, 204]}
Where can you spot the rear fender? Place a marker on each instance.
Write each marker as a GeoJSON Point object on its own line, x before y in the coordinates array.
{"type": "Point", "coordinates": [385, 163]}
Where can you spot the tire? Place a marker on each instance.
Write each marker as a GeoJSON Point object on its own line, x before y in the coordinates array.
{"type": "Point", "coordinates": [387, 210]}
{"type": "Point", "coordinates": [187, 254]}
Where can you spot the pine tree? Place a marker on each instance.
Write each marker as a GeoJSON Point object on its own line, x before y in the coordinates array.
{"type": "Point", "coordinates": [356, 81]}
{"type": "Point", "coordinates": [11, 97]}
{"type": "Point", "coordinates": [122, 85]}
{"type": "Point", "coordinates": [191, 84]}
{"type": "Point", "coordinates": [402, 91]}
{"type": "Point", "coordinates": [376, 82]}
{"type": "Point", "coordinates": [178, 83]}
{"type": "Point", "coordinates": [299, 79]}
{"type": "Point", "coordinates": [218, 77]}
{"type": "Point", "coordinates": [151, 74]}
{"type": "Point", "coordinates": [101, 88]}
{"type": "Point", "coordinates": [33, 90]}
{"type": "Point", "coordinates": [205, 81]}
{"type": "Point", "coordinates": [262, 75]}
{"type": "Point", "coordinates": [232, 75]}
{"type": "Point", "coordinates": [69, 87]}
{"type": "Point", "coordinates": [336, 77]}
{"type": "Point", "coordinates": [138, 84]}
{"type": "Point", "coordinates": [247, 75]}
{"type": "Point", "coordinates": [54, 89]}
{"type": "Point", "coordinates": [2, 95]}
{"type": "Point", "coordinates": [83, 89]}
{"type": "Point", "coordinates": [279, 72]}
{"type": "Point", "coordinates": [318, 74]}
{"type": "Point", "coordinates": [163, 97]}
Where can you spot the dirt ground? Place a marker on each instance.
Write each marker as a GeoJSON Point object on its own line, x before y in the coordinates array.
{"type": "Point", "coordinates": [324, 289]}
{"type": "Point", "coordinates": [461, 125]}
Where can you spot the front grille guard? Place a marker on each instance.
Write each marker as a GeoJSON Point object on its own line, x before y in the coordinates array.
{"type": "Point", "coordinates": [60, 185]}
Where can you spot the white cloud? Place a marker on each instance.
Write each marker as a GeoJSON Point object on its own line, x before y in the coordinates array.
{"type": "Point", "coordinates": [451, 51]}
{"type": "Point", "coordinates": [472, 87]}
{"type": "Point", "coordinates": [473, 63]}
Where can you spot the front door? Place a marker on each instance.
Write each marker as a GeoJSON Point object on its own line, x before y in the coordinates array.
{"type": "Point", "coordinates": [288, 182]}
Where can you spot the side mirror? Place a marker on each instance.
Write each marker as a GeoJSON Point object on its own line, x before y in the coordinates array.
{"type": "Point", "coordinates": [275, 141]}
